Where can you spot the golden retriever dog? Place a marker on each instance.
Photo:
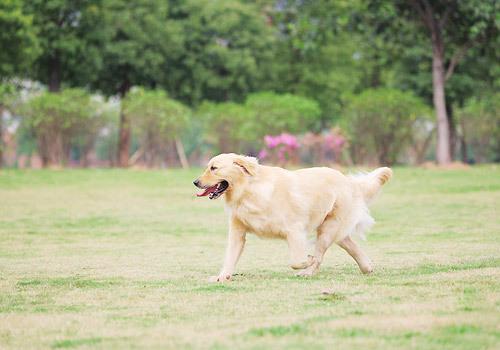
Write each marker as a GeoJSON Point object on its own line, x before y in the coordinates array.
{"type": "Point", "coordinates": [277, 203]}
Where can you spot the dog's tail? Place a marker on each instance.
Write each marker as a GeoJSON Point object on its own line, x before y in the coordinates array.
{"type": "Point", "coordinates": [371, 183]}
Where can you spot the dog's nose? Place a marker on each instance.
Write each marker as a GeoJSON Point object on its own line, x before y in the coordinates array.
{"type": "Point", "coordinates": [196, 183]}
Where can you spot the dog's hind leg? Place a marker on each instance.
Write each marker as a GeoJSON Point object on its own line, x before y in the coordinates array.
{"type": "Point", "coordinates": [326, 236]}
{"type": "Point", "coordinates": [364, 262]}
{"type": "Point", "coordinates": [297, 243]}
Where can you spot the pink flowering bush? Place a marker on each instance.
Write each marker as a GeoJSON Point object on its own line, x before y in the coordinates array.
{"type": "Point", "coordinates": [280, 148]}
{"type": "Point", "coordinates": [326, 147]}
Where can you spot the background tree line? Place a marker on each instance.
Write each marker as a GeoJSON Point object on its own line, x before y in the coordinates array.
{"type": "Point", "coordinates": [154, 80]}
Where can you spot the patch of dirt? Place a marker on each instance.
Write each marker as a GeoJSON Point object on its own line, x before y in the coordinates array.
{"type": "Point", "coordinates": [451, 166]}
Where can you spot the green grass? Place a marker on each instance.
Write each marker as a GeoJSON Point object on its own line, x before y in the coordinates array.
{"type": "Point", "coordinates": [120, 259]}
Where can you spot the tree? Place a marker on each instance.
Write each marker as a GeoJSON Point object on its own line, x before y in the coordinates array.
{"type": "Point", "coordinates": [70, 37]}
{"type": "Point", "coordinates": [380, 123]}
{"type": "Point", "coordinates": [453, 27]}
{"type": "Point", "coordinates": [159, 121]}
{"type": "Point", "coordinates": [140, 41]}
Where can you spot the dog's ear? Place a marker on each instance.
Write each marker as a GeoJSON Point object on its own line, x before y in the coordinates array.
{"type": "Point", "coordinates": [247, 164]}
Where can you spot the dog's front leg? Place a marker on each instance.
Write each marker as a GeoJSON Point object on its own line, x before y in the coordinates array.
{"type": "Point", "coordinates": [235, 244]}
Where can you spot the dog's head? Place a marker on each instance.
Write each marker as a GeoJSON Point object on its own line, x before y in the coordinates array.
{"type": "Point", "coordinates": [225, 173]}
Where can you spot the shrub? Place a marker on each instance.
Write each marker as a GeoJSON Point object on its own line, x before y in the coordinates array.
{"type": "Point", "coordinates": [325, 147]}
{"type": "Point", "coordinates": [56, 119]}
{"type": "Point", "coordinates": [380, 123]}
{"type": "Point", "coordinates": [157, 120]}
{"type": "Point", "coordinates": [274, 114]}
{"type": "Point", "coordinates": [480, 127]}
{"type": "Point", "coordinates": [223, 124]}
{"type": "Point", "coordinates": [280, 148]}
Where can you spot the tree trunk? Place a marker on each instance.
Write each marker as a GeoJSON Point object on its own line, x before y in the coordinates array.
{"type": "Point", "coordinates": [453, 131]}
{"type": "Point", "coordinates": [1, 136]}
{"type": "Point", "coordinates": [54, 74]}
{"type": "Point", "coordinates": [181, 153]}
{"type": "Point", "coordinates": [43, 151]}
{"type": "Point", "coordinates": [375, 78]}
{"type": "Point", "coordinates": [171, 156]}
{"type": "Point", "coordinates": [50, 146]}
{"type": "Point", "coordinates": [420, 151]}
{"type": "Point", "coordinates": [125, 131]}
{"type": "Point", "coordinates": [85, 155]}
{"type": "Point", "coordinates": [66, 151]}
{"type": "Point", "coordinates": [443, 155]}
{"type": "Point", "coordinates": [463, 143]}
{"type": "Point", "coordinates": [124, 140]}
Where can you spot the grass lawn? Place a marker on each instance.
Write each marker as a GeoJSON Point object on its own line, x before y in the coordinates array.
{"type": "Point", "coordinates": [120, 259]}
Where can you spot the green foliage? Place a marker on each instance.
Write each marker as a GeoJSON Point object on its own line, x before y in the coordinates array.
{"type": "Point", "coordinates": [60, 110]}
{"type": "Point", "coordinates": [70, 37]}
{"type": "Point", "coordinates": [57, 118]}
{"type": "Point", "coordinates": [18, 42]}
{"type": "Point", "coordinates": [480, 122]}
{"type": "Point", "coordinates": [223, 124]}
{"type": "Point", "coordinates": [226, 48]}
{"type": "Point", "coordinates": [156, 119]}
{"type": "Point", "coordinates": [10, 98]}
{"type": "Point", "coordinates": [106, 142]}
{"type": "Point", "coordinates": [152, 111]}
{"type": "Point", "coordinates": [7, 94]}
{"type": "Point", "coordinates": [139, 41]}
{"type": "Point", "coordinates": [277, 113]}
{"type": "Point", "coordinates": [335, 70]}
{"type": "Point", "coordinates": [380, 123]}
{"type": "Point", "coordinates": [318, 52]}
{"type": "Point", "coordinates": [88, 130]}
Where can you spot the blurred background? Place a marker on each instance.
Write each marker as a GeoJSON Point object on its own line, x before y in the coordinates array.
{"type": "Point", "coordinates": [149, 83]}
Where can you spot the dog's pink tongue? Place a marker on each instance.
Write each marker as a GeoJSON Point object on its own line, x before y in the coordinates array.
{"type": "Point", "coordinates": [207, 191]}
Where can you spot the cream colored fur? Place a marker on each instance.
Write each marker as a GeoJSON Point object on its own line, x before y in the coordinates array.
{"type": "Point", "coordinates": [277, 203]}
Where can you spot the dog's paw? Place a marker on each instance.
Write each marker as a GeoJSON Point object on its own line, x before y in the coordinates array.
{"type": "Point", "coordinates": [367, 269]}
{"type": "Point", "coordinates": [221, 278]}
{"type": "Point", "coordinates": [310, 271]}
{"type": "Point", "coordinates": [303, 264]}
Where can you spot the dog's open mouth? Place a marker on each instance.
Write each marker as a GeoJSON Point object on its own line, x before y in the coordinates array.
{"type": "Point", "coordinates": [214, 191]}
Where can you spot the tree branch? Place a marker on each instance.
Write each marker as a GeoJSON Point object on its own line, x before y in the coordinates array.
{"type": "Point", "coordinates": [420, 10]}
{"type": "Point", "coordinates": [446, 15]}
{"type": "Point", "coordinates": [455, 59]}
{"type": "Point", "coordinates": [430, 16]}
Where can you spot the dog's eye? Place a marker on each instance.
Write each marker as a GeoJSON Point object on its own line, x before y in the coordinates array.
{"type": "Point", "coordinates": [213, 168]}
